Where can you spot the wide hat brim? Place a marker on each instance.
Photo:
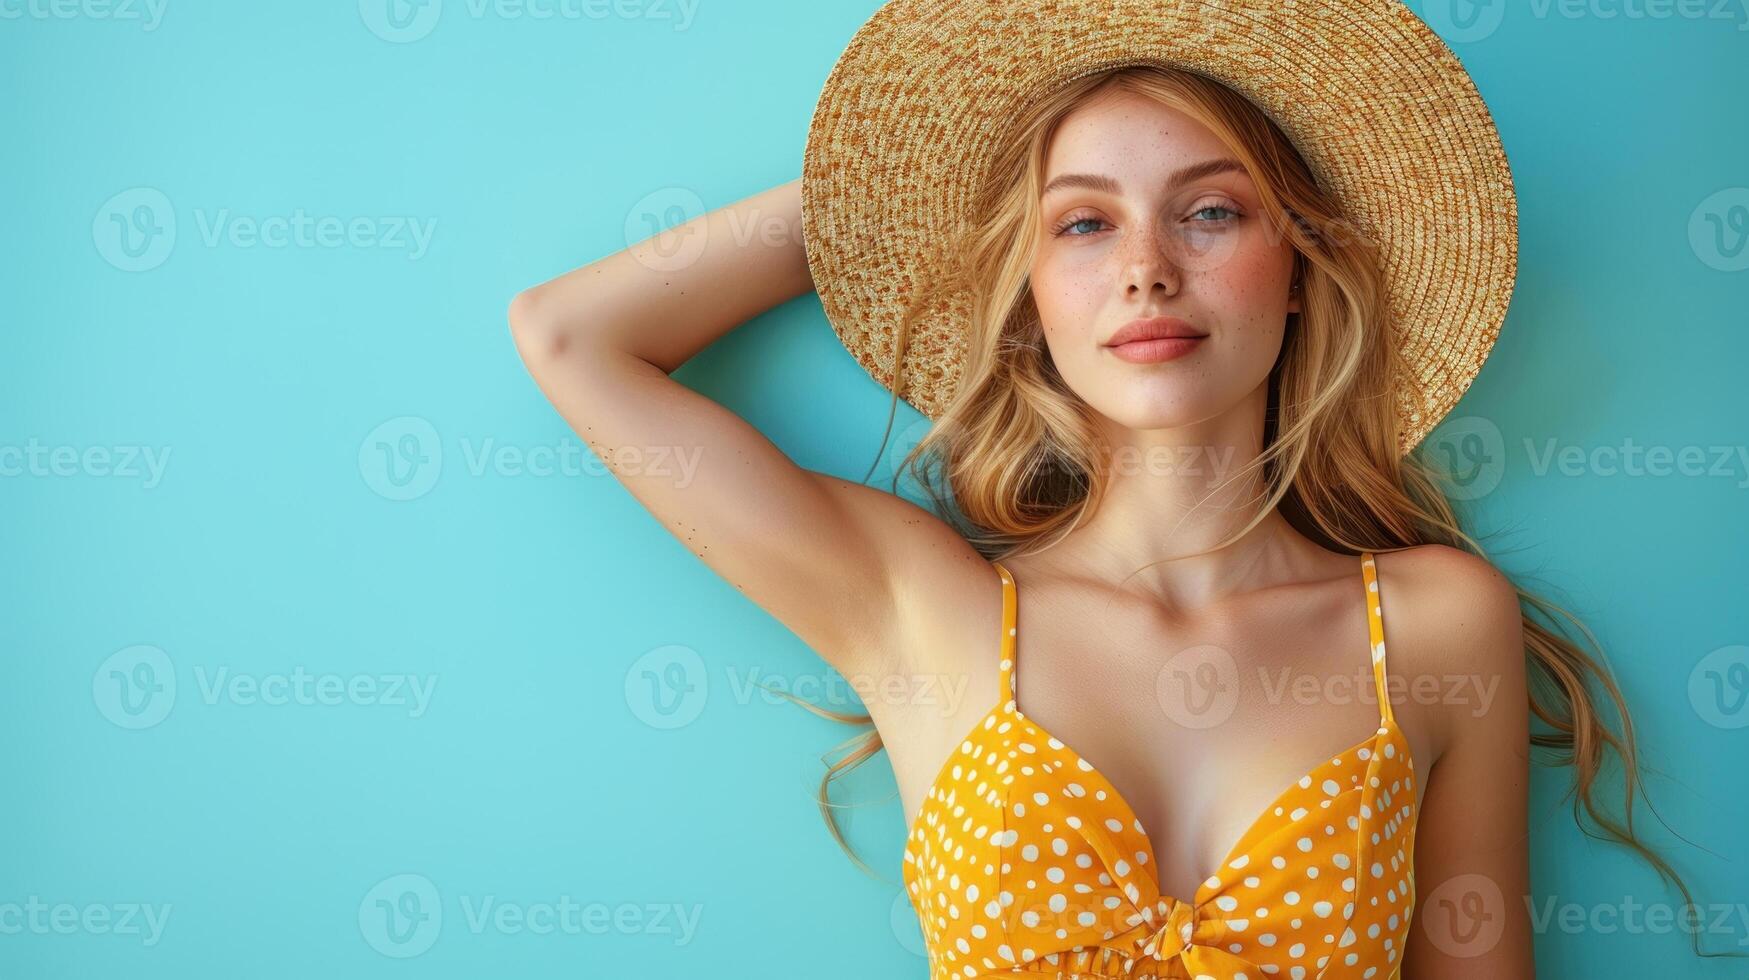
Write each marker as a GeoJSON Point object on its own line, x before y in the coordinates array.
{"type": "Point", "coordinates": [1383, 112]}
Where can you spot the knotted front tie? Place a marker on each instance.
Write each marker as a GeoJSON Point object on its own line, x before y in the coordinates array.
{"type": "Point", "coordinates": [1178, 930]}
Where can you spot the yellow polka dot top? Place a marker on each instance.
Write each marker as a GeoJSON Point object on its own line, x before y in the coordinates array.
{"type": "Point", "coordinates": [1025, 861]}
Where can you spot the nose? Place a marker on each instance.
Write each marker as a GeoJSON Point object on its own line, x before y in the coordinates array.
{"type": "Point", "coordinates": [1148, 262]}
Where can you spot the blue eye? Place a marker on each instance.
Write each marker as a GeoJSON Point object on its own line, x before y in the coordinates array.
{"type": "Point", "coordinates": [1064, 227]}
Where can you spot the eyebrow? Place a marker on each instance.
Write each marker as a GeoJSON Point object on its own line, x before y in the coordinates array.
{"type": "Point", "coordinates": [1107, 185]}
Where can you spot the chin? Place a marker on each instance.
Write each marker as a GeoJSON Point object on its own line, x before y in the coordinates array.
{"type": "Point", "coordinates": [1159, 402]}
{"type": "Point", "coordinates": [1149, 411]}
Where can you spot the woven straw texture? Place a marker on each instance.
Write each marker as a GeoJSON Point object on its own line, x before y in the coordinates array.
{"type": "Point", "coordinates": [1383, 112]}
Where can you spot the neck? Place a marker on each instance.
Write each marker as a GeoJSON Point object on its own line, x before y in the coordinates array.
{"type": "Point", "coordinates": [1165, 510]}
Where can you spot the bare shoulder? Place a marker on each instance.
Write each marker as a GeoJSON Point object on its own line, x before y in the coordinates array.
{"type": "Point", "coordinates": [1450, 616]}
{"type": "Point", "coordinates": [1454, 618]}
{"type": "Point", "coordinates": [1446, 607]}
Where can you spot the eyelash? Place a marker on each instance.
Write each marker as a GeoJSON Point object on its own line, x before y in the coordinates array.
{"type": "Point", "coordinates": [1070, 222]}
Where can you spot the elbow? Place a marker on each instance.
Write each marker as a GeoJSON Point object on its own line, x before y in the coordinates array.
{"type": "Point", "coordinates": [522, 312]}
{"type": "Point", "coordinates": [521, 307]}
{"type": "Point", "coordinates": [531, 330]}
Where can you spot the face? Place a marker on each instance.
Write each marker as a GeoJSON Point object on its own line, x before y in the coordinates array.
{"type": "Point", "coordinates": [1161, 230]}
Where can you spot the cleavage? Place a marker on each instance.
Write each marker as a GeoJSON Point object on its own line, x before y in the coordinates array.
{"type": "Point", "coordinates": [1197, 791]}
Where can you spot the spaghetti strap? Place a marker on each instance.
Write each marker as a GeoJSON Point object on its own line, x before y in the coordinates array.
{"type": "Point", "coordinates": [1375, 627]}
{"type": "Point", "coordinates": [1005, 664]}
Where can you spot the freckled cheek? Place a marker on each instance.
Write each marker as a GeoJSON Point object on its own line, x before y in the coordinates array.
{"type": "Point", "coordinates": [1242, 296]}
{"type": "Point", "coordinates": [1245, 286]}
{"type": "Point", "coordinates": [1068, 294]}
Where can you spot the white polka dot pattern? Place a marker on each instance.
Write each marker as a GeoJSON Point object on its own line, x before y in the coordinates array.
{"type": "Point", "coordinates": [1025, 860]}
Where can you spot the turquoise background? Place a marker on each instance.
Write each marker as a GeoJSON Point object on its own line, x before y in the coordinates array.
{"type": "Point", "coordinates": [549, 765]}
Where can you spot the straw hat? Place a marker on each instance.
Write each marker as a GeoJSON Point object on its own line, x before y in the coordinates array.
{"type": "Point", "coordinates": [1381, 109]}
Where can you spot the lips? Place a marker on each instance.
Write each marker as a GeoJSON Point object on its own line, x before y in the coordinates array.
{"type": "Point", "coordinates": [1157, 350]}
{"type": "Point", "coordinates": [1153, 328]}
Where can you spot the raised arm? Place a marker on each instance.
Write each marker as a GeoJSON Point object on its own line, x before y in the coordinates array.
{"type": "Point", "coordinates": [817, 552]}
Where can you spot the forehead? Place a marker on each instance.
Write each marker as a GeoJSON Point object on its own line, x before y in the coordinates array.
{"type": "Point", "coordinates": [1118, 132]}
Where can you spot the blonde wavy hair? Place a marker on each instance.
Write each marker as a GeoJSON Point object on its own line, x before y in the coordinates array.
{"type": "Point", "coordinates": [1020, 454]}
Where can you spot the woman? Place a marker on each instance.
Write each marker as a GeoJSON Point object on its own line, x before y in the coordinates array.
{"type": "Point", "coordinates": [1174, 442]}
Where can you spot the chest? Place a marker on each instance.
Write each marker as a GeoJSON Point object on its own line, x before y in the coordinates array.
{"type": "Point", "coordinates": [1195, 729]}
